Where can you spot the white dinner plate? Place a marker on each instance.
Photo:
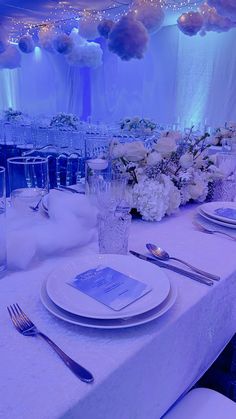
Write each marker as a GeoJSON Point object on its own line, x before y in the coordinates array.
{"type": "Point", "coordinates": [74, 301]}
{"type": "Point", "coordinates": [214, 221]}
{"type": "Point", "coordinates": [109, 324]}
{"type": "Point", "coordinates": [210, 207]}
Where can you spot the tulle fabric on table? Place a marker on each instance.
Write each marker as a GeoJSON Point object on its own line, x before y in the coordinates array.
{"type": "Point", "coordinates": [33, 236]}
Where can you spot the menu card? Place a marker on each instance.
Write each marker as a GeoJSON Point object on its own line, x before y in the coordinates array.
{"type": "Point", "coordinates": [110, 287]}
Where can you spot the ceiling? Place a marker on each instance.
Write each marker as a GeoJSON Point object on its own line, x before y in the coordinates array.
{"type": "Point", "coordinates": [34, 12]}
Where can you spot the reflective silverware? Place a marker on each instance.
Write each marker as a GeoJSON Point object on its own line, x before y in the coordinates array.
{"type": "Point", "coordinates": [209, 231]}
{"type": "Point", "coordinates": [161, 254]}
{"type": "Point", "coordinates": [69, 189]}
{"type": "Point", "coordinates": [25, 326]}
{"type": "Point", "coordinates": [180, 271]}
{"type": "Point", "coordinates": [36, 207]}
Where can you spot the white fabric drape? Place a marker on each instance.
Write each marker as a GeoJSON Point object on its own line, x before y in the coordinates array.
{"type": "Point", "coordinates": [181, 79]}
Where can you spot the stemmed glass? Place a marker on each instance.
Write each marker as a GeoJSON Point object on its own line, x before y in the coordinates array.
{"type": "Point", "coordinates": [108, 192]}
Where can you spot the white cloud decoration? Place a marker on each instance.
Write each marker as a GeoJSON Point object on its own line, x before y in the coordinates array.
{"type": "Point", "coordinates": [84, 53]}
{"type": "Point", "coordinates": [63, 43]}
{"type": "Point", "coordinates": [26, 44]}
{"type": "Point", "coordinates": [225, 7]}
{"type": "Point", "coordinates": [10, 58]}
{"type": "Point", "coordinates": [128, 38]}
{"type": "Point", "coordinates": [190, 23]}
{"type": "Point", "coordinates": [151, 15]}
{"type": "Point", "coordinates": [212, 21]}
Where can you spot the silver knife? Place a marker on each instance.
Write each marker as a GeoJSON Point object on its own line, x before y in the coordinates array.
{"type": "Point", "coordinates": [180, 271]}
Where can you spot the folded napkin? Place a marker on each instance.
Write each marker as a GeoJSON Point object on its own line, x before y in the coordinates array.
{"type": "Point", "coordinates": [32, 236]}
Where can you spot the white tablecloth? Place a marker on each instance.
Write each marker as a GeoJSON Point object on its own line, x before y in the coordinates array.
{"type": "Point", "coordinates": [139, 372]}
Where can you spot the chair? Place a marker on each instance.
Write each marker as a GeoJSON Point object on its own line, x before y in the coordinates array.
{"type": "Point", "coordinates": [65, 167]}
{"type": "Point", "coordinates": [203, 403]}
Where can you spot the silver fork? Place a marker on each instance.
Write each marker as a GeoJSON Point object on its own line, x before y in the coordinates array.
{"type": "Point", "coordinates": [25, 326]}
{"type": "Point", "coordinates": [208, 231]}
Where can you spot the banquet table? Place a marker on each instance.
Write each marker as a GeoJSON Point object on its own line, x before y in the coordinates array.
{"type": "Point", "coordinates": [139, 372]}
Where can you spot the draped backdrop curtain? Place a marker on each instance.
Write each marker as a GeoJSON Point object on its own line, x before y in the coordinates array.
{"type": "Point", "coordinates": [181, 79]}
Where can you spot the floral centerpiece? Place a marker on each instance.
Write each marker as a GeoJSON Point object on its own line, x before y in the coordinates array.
{"type": "Point", "coordinates": [138, 126]}
{"type": "Point", "coordinates": [11, 115]}
{"type": "Point", "coordinates": [170, 174]}
{"type": "Point", "coordinates": [65, 121]}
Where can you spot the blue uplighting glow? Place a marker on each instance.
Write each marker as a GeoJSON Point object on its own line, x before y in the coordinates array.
{"type": "Point", "coordinates": [37, 53]}
{"type": "Point", "coordinates": [8, 91]}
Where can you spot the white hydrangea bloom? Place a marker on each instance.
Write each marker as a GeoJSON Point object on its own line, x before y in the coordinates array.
{"type": "Point", "coordinates": [154, 199]}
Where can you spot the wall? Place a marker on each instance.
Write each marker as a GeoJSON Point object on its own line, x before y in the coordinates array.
{"type": "Point", "coordinates": [181, 78]}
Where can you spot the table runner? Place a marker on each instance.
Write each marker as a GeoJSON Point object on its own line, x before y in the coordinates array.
{"type": "Point", "coordinates": [139, 372]}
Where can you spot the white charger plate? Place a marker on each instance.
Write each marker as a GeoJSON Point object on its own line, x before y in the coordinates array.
{"type": "Point", "coordinates": [214, 221]}
{"type": "Point", "coordinates": [210, 207]}
{"type": "Point", "coordinates": [74, 301]}
{"type": "Point", "coordinates": [109, 324]}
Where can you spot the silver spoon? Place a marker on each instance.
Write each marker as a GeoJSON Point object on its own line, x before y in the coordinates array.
{"type": "Point", "coordinates": [161, 254]}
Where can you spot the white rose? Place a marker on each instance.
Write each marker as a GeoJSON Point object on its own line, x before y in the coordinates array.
{"type": "Point", "coordinates": [117, 151]}
{"type": "Point", "coordinates": [166, 145]}
{"type": "Point", "coordinates": [232, 125]}
{"type": "Point", "coordinates": [200, 161]}
{"type": "Point", "coordinates": [213, 140]}
{"type": "Point", "coordinates": [153, 158]}
{"type": "Point", "coordinates": [196, 190]}
{"type": "Point", "coordinates": [225, 133]}
{"type": "Point", "coordinates": [186, 160]}
{"type": "Point", "coordinates": [134, 151]}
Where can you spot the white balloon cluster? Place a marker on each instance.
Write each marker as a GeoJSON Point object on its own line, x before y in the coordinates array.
{"type": "Point", "coordinates": [190, 23]}
{"type": "Point", "coordinates": [26, 44]}
{"type": "Point", "coordinates": [209, 18]}
{"type": "Point", "coordinates": [212, 21]}
{"type": "Point", "coordinates": [128, 38]}
{"type": "Point", "coordinates": [225, 8]}
{"type": "Point", "coordinates": [151, 14]}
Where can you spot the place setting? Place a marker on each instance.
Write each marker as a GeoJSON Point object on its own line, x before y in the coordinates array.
{"type": "Point", "coordinates": [217, 218]}
{"type": "Point", "coordinates": [120, 292]}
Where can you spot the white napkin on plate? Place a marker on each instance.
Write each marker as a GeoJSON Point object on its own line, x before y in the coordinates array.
{"type": "Point", "coordinates": [32, 235]}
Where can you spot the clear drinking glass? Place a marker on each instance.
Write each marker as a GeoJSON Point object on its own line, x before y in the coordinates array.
{"type": "Point", "coordinates": [106, 189]}
{"type": "Point", "coordinates": [113, 232]}
{"type": "Point", "coordinates": [224, 190]}
{"type": "Point", "coordinates": [96, 171]}
{"type": "Point", "coordinates": [3, 254]}
{"type": "Point", "coordinates": [28, 180]}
